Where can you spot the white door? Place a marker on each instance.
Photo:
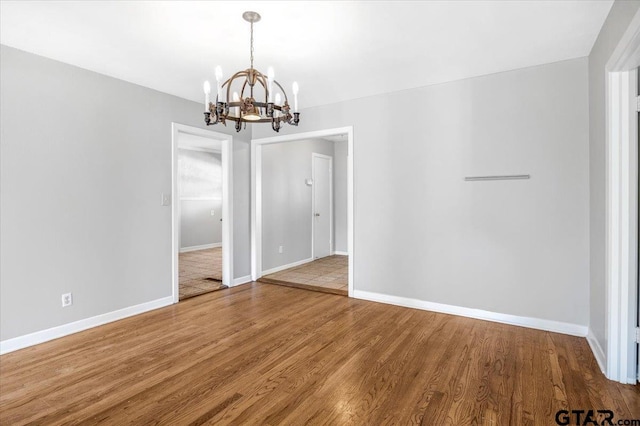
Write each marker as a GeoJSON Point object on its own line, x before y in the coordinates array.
{"type": "Point", "coordinates": [322, 208]}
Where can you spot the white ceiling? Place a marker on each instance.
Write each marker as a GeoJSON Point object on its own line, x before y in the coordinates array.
{"type": "Point", "coordinates": [335, 50]}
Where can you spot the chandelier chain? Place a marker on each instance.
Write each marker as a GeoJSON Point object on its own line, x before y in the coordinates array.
{"type": "Point", "coordinates": [252, 45]}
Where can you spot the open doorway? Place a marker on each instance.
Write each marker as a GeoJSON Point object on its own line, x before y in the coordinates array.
{"type": "Point", "coordinates": [200, 198]}
{"type": "Point", "coordinates": [302, 216]}
{"type": "Point", "coordinates": [202, 220]}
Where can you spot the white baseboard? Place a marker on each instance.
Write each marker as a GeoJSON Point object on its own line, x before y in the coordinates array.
{"type": "Point", "coordinates": [202, 247]}
{"type": "Point", "coordinates": [241, 280]}
{"type": "Point", "coordinates": [42, 336]}
{"type": "Point", "coordinates": [537, 323]}
{"type": "Point", "coordinates": [283, 267]}
{"type": "Point", "coordinates": [341, 253]}
{"type": "Point", "coordinates": [598, 353]}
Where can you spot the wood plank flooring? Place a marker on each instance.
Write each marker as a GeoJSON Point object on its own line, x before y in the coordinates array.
{"type": "Point", "coordinates": [266, 354]}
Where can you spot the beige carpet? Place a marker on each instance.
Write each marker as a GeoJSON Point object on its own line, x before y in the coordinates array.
{"type": "Point", "coordinates": [200, 272]}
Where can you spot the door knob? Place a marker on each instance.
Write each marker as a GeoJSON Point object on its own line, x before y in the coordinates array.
{"type": "Point", "coordinates": [317, 214]}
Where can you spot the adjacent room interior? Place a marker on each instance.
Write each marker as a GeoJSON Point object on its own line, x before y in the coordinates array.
{"type": "Point", "coordinates": [200, 198]}
{"type": "Point", "coordinates": [304, 214]}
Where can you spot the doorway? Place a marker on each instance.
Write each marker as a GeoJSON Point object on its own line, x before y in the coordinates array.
{"type": "Point", "coordinates": [200, 199]}
{"type": "Point", "coordinates": [202, 220]}
{"type": "Point", "coordinates": [329, 260]}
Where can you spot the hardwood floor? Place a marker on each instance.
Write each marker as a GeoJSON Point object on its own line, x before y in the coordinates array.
{"type": "Point", "coordinates": [266, 354]}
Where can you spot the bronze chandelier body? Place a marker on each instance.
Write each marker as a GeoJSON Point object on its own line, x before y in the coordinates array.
{"type": "Point", "coordinates": [245, 108]}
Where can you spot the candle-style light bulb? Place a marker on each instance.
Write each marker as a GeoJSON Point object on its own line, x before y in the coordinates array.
{"type": "Point", "coordinates": [295, 90]}
{"type": "Point", "coordinates": [219, 83]}
{"type": "Point", "coordinates": [270, 77]}
{"type": "Point", "coordinates": [278, 100]}
{"type": "Point", "coordinates": [236, 98]}
{"type": "Point", "coordinates": [207, 91]}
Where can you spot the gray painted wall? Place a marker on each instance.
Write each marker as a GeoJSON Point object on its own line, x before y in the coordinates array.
{"type": "Point", "coordinates": [514, 247]}
{"type": "Point", "coordinates": [200, 175]}
{"type": "Point", "coordinates": [286, 200]}
{"type": "Point", "coordinates": [614, 27]}
{"type": "Point", "coordinates": [340, 196]}
{"type": "Point", "coordinates": [80, 192]}
{"type": "Point", "coordinates": [197, 226]}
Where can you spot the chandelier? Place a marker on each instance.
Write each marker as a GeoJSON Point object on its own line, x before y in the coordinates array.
{"type": "Point", "coordinates": [254, 99]}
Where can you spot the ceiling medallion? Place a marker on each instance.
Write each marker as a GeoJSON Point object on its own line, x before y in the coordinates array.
{"type": "Point", "coordinates": [245, 107]}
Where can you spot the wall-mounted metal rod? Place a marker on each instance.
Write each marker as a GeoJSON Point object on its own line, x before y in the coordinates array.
{"type": "Point", "coordinates": [499, 177]}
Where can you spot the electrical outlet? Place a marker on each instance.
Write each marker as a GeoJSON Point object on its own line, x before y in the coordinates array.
{"type": "Point", "coordinates": [280, 249]}
{"type": "Point", "coordinates": [67, 300]}
{"type": "Point", "coordinates": [166, 199]}
{"type": "Point", "coordinates": [213, 212]}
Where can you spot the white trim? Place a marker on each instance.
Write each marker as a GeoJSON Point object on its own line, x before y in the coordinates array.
{"type": "Point", "coordinates": [201, 247]}
{"type": "Point", "coordinates": [42, 336]}
{"type": "Point", "coordinates": [199, 149]}
{"type": "Point", "coordinates": [341, 253]}
{"type": "Point", "coordinates": [626, 55]}
{"type": "Point", "coordinates": [227, 202]}
{"type": "Point", "coordinates": [621, 205]}
{"type": "Point", "coordinates": [598, 353]}
{"type": "Point", "coordinates": [315, 155]}
{"type": "Point", "coordinates": [200, 198]}
{"type": "Point", "coordinates": [242, 280]}
{"type": "Point", "coordinates": [529, 322]}
{"type": "Point", "coordinates": [256, 195]}
{"type": "Point", "coordinates": [290, 265]}
{"type": "Point", "coordinates": [256, 211]}
{"type": "Point", "coordinates": [351, 251]}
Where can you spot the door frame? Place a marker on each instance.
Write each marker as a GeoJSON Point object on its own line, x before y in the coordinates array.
{"type": "Point", "coordinates": [622, 206]}
{"type": "Point", "coordinates": [227, 202]}
{"type": "Point", "coordinates": [256, 195]}
{"type": "Point", "coordinates": [315, 155]}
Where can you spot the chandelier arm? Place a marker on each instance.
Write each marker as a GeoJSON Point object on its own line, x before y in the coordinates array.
{"type": "Point", "coordinates": [265, 85]}
{"type": "Point", "coordinates": [242, 90]}
{"type": "Point", "coordinates": [286, 99]}
{"type": "Point", "coordinates": [229, 82]}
